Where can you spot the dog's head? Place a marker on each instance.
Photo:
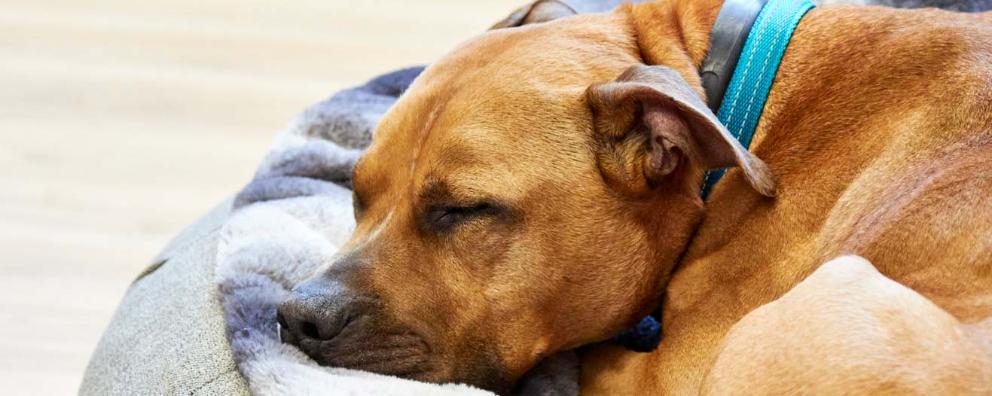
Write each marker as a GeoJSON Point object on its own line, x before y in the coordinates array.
{"type": "Point", "coordinates": [520, 199]}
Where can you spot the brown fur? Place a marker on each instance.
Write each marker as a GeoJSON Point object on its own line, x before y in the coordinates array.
{"type": "Point", "coordinates": [878, 132]}
{"type": "Point", "coordinates": [848, 328]}
{"type": "Point", "coordinates": [877, 140]}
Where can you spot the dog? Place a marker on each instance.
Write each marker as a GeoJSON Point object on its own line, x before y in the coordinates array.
{"type": "Point", "coordinates": [538, 190]}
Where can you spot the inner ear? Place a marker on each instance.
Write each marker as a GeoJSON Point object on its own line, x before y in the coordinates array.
{"type": "Point", "coordinates": [668, 136]}
{"type": "Point", "coordinates": [655, 101]}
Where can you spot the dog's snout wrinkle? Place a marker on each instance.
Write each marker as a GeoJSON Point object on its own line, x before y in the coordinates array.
{"type": "Point", "coordinates": [379, 227]}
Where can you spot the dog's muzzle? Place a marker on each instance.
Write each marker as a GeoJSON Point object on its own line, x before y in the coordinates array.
{"type": "Point", "coordinates": [339, 327]}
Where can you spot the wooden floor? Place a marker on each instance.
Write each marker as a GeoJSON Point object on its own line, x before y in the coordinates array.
{"type": "Point", "coordinates": [122, 121]}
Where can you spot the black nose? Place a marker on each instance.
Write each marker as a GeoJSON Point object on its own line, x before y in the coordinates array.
{"type": "Point", "coordinates": [318, 310]}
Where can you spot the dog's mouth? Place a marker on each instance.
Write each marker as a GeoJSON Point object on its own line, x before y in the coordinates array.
{"type": "Point", "coordinates": [396, 351]}
{"type": "Point", "coordinates": [362, 346]}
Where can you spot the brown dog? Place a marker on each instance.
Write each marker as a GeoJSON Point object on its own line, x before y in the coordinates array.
{"type": "Point", "coordinates": [516, 202]}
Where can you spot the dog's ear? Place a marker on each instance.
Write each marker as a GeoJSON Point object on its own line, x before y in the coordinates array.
{"type": "Point", "coordinates": [649, 122]}
{"type": "Point", "coordinates": [536, 12]}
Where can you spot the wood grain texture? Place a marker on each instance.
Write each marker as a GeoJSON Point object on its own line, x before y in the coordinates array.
{"type": "Point", "coordinates": [121, 122]}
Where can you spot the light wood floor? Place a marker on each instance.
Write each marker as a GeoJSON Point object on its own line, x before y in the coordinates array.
{"type": "Point", "coordinates": [122, 121]}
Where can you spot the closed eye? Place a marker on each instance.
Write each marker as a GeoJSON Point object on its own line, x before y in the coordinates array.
{"type": "Point", "coordinates": [445, 218]}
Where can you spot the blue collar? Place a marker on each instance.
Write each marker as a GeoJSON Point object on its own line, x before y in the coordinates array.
{"type": "Point", "coordinates": [756, 33]}
{"type": "Point", "coordinates": [768, 27]}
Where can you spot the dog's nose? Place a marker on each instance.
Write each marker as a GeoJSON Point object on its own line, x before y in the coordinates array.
{"type": "Point", "coordinates": [318, 310]}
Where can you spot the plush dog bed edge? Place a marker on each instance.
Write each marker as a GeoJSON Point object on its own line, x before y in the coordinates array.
{"type": "Point", "coordinates": [167, 335]}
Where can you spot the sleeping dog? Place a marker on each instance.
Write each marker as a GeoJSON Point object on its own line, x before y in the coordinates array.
{"type": "Point", "coordinates": [538, 189]}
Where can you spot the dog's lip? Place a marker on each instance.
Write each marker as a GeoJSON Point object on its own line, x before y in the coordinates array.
{"type": "Point", "coordinates": [392, 360]}
{"type": "Point", "coordinates": [403, 353]}
{"type": "Point", "coordinates": [407, 360]}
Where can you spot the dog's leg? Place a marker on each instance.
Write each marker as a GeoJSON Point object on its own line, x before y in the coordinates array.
{"type": "Point", "coordinates": [849, 329]}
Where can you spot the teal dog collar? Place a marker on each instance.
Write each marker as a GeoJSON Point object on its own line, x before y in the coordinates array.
{"type": "Point", "coordinates": [768, 27]}
{"type": "Point", "coordinates": [747, 43]}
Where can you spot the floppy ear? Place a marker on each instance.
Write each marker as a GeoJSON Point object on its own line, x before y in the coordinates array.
{"type": "Point", "coordinates": [536, 12]}
{"type": "Point", "coordinates": [649, 122]}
